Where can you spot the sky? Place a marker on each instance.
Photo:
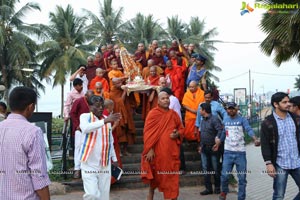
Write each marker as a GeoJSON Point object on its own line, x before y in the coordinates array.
{"type": "Point", "coordinates": [236, 60]}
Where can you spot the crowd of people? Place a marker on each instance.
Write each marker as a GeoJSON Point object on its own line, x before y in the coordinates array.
{"type": "Point", "coordinates": [100, 108]}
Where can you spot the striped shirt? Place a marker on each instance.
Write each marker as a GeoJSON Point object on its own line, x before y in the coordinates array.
{"type": "Point", "coordinates": [23, 167]}
{"type": "Point", "coordinates": [288, 156]}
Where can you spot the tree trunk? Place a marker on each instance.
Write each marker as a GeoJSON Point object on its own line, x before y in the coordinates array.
{"type": "Point", "coordinates": [62, 101]}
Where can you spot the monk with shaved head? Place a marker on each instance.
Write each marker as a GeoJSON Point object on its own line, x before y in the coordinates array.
{"type": "Point", "coordinates": [160, 158]}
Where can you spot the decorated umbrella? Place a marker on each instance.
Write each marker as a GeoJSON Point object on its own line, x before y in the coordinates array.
{"type": "Point", "coordinates": [131, 70]}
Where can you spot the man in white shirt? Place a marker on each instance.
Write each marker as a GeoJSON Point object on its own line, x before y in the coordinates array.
{"type": "Point", "coordinates": [97, 150]}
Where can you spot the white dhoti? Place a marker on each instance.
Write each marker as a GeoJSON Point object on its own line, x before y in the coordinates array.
{"type": "Point", "coordinates": [96, 182]}
{"type": "Point", "coordinates": [77, 147]}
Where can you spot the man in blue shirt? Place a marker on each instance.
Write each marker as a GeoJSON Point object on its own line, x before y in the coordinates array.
{"type": "Point", "coordinates": [198, 72]}
{"type": "Point", "coordinates": [235, 150]}
{"type": "Point", "coordinates": [216, 108]}
{"type": "Point", "coordinates": [280, 145]}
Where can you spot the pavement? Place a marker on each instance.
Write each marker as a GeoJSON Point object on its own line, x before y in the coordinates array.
{"type": "Point", "coordinates": [259, 186]}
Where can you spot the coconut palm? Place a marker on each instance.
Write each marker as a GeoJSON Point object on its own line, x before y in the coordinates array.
{"type": "Point", "coordinates": [105, 27]}
{"type": "Point", "coordinates": [64, 47]}
{"type": "Point", "coordinates": [176, 28]}
{"type": "Point", "coordinates": [283, 33]}
{"type": "Point", "coordinates": [16, 47]}
{"type": "Point", "coordinates": [297, 84]}
{"type": "Point", "coordinates": [140, 29]}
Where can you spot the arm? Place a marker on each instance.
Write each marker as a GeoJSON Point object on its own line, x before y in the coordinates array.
{"type": "Point", "coordinates": [67, 107]}
{"type": "Point", "coordinates": [73, 76]}
{"type": "Point", "coordinates": [113, 153]}
{"type": "Point", "coordinates": [37, 164]}
{"type": "Point", "coordinates": [86, 126]}
{"type": "Point", "coordinates": [189, 109]}
{"type": "Point", "coordinates": [43, 193]}
{"type": "Point", "coordinates": [198, 118]}
{"type": "Point", "coordinates": [74, 115]}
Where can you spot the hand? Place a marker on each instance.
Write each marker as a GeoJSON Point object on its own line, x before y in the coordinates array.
{"type": "Point", "coordinates": [174, 134]}
{"type": "Point", "coordinates": [196, 134]}
{"type": "Point", "coordinates": [217, 141]}
{"type": "Point", "coordinates": [271, 170]}
{"type": "Point", "coordinates": [116, 164]}
{"type": "Point", "coordinates": [257, 142]}
{"type": "Point", "coordinates": [199, 149]}
{"type": "Point", "coordinates": [66, 118]}
{"type": "Point", "coordinates": [216, 147]}
{"type": "Point", "coordinates": [150, 155]}
{"type": "Point", "coordinates": [113, 118]}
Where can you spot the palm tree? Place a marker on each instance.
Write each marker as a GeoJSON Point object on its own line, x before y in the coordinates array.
{"type": "Point", "coordinates": [297, 84]}
{"type": "Point", "coordinates": [105, 27]}
{"type": "Point", "coordinates": [65, 46]}
{"type": "Point", "coordinates": [140, 29]}
{"type": "Point", "coordinates": [204, 44]}
{"type": "Point", "coordinates": [176, 28]}
{"type": "Point", "coordinates": [283, 33]}
{"type": "Point", "coordinates": [16, 47]}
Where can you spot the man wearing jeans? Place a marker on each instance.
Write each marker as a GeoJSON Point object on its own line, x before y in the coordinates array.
{"type": "Point", "coordinates": [280, 145]}
{"type": "Point", "coordinates": [211, 128]}
{"type": "Point", "coordinates": [234, 150]}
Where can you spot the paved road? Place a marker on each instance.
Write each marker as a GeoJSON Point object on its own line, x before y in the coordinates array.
{"type": "Point", "coordinates": [259, 186]}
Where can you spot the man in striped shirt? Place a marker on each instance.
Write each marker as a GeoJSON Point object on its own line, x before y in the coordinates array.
{"type": "Point", "coordinates": [23, 170]}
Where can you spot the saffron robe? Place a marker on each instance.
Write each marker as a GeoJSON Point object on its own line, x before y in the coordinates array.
{"type": "Point", "coordinates": [175, 75]}
{"type": "Point", "coordinates": [183, 66]}
{"type": "Point", "coordinates": [147, 105]}
{"type": "Point", "coordinates": [191, 100]}
{"type": "Point", "coordinates": [105, 86]}
{"type": "Point", "coordinates": [162, 172]}
{"type": "Point", "coordinates": [114, 73]}
{"type": "Point", "coordinates": [126, 129]}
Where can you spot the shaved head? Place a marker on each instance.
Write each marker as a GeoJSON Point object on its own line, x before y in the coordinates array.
{"type": "Point", "coordinates": [163, 100]}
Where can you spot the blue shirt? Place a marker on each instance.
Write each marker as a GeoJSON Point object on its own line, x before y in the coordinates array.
{"type": "Point", "coordinates": [287, 155]}
{"type": "Point", "coordinates": [216, 110]}
{"type": "Point", "coordinates": [195, 75]}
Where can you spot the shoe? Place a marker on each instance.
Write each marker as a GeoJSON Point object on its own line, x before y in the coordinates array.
{"type": "Point", "coordinates": [222, 196]}
{"type": "Point", "coordinates": [206, 192]}
{"type": "Point", "coordinates": [217, 191]}
{"type": "Point", "coordinates": [77, 174]}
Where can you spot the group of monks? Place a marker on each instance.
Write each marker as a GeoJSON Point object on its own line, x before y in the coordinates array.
{"type": "Point", "coordinates": [158, 66]}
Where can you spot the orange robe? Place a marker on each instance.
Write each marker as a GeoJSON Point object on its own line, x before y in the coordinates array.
{"type": "Point", "coordinates": [147, 105]}
{"type": "Point", "coordinates": [192, 100]}
{"type": "Point", "coordinates": [146, 71]}
{"type": "Point", "coordinates": [175, 75]}
{"type": "Point", "coordinates": [102, 80]}
{"type": "Point", "coordinates": [162, 172]}
{"type": "Point", "coordinates": [183, 67]}
{"type": "Point", "coordinates": [114, 73]}
{"type": "Point", "coordinates": [126, 129]}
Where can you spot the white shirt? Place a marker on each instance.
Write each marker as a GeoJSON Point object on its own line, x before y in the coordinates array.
{"type": "Point", "coordinates": [94, 159]}
{"type": "Point", "coordinates": [175, 105]}
{"type": "Point", "coordinates": [85, 82]}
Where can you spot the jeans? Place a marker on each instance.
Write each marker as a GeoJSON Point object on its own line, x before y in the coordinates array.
{"type": "Point", "coordinates": [210, 165]}
{"type": "Point", "coordinates": [231, 158]}
{"type": "Point", "coordinates": [280, 181]}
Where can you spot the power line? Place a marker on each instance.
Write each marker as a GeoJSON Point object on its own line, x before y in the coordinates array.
{"type": "Point", "coordinates": [270, 74]}
{"type": "Point", "coordinates": [234, 77]}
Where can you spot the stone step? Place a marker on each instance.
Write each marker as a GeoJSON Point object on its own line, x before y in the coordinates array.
{"type": "Point", "coordinates": [134, 181]}
{"type": "Point", "coordinates": [136, 157]}
{"type": "Point", "coordinates": [135, 167]}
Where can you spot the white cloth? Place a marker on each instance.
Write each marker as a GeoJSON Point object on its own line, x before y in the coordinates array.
{"type": "Point", "coordinates": [85, 82]}
{"type": "Point", "coordinates": [175, 105]}
{"type": "Point", "coordinates": [96, 183]}
{"type": "Point", "coordinates": [96, 178]}
{"type": "Point", "coordinates": [77, 150]}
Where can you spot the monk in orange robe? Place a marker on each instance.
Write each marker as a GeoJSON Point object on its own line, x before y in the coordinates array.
{"type": "Point", "coordinates": [178, 61]}
{"type": "Point", "coordinates": [99, 78]}
{"type": "Point", "coordinates": [115, 73]}
{"type": "Point", "coordinates": [160, 158]}
{"type": "Point", "coordinates": [98, 91]}
{"type": "Point", "coordinates": [191, 100]}
{"type": "Point", "coordinates": [174, 75]}
{"type": "Point", "coordinates": [150, 100]}
{"type": "Point", "coordinates": [146, 70]}
{"type": "Point", "coordinates": [123, 104]}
